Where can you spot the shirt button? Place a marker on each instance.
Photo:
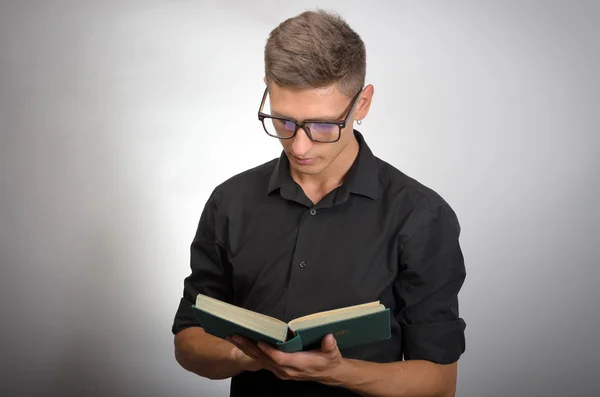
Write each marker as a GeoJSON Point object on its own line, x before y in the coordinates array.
{"type": "Point", "coordinates": [313, 211]}
{"type": "Point", "coordinates": [302, 265]}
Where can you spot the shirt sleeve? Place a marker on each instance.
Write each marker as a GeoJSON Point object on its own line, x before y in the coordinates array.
{"type": "Point", "coordinates": [210, 271]}
{"type": "Point", "coordinates": [431, 274]}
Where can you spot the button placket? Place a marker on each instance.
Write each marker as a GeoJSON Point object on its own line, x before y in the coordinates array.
{"type": "Point", "coordinates": [300, 273]}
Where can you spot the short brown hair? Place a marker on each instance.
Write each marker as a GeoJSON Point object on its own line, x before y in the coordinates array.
{"type": "Point", "coordinates": [313, 50]}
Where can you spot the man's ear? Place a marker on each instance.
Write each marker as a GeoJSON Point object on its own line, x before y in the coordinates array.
{"type": "Point", "coordinates": [265, 79]}
{"type": "Point", "coordinates": [365, 102]}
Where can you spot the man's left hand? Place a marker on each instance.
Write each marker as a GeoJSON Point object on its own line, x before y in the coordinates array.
{"type": "Point", "coordinates": [317, 365]}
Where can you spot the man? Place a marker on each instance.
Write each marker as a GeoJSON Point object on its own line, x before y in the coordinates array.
{"type": "Point", "coordinates": [326, 225]}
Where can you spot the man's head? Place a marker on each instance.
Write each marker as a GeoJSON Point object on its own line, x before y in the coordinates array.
{"type": "Point", "coordinates": [315, 65]}
{"type": "Point", "coordinates": [313, 50]}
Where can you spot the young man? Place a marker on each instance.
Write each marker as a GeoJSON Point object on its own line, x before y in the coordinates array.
{"type": "Point", "coordinates": [325, 225]}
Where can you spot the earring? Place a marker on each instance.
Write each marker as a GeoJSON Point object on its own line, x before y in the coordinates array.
{"type": "Point", "coordinates": [359, 122]}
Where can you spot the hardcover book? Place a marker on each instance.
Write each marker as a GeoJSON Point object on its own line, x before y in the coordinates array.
{"type": "Point", "coordinates": [351, 325]}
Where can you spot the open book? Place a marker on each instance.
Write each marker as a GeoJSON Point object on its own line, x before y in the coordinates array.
{"type": "Point", "coordinates": [351, 326]}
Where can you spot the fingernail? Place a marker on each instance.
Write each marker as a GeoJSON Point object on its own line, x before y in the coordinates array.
{"type": "Point", "coordinates": [236, 339]}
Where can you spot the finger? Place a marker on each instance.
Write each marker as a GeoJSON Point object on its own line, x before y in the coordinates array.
{"type": "Point", "coordinates": [329, 344]}
{"type": "Point", "coordinates": [250, 348]}
{"type": "Point", "coordinates": [233, 342]}
{"type": "Point", "coordinates": [278, 357]}
{"type": "Point", "coordinates": [241, 340]}
{"type": "Point", "coordinates": [242, 346]}
{"type": "Point", "coordinates": [230, 340]}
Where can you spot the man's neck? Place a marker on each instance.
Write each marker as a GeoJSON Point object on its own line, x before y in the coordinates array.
{"type": "Point", "coordinates": [318, 186]}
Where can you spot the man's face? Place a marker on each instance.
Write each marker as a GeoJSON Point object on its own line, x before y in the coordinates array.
{"type": "Point", "coordinates": [323, 104]}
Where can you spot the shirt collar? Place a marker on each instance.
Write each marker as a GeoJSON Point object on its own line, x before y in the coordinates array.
{"type": "Point", "coordinates": [362, 178]}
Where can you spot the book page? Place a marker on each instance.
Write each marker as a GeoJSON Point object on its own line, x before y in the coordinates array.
{"type": "Point", "coordinates": [252, 320]}
{"type": "Point", "coordinates": [331, 316]}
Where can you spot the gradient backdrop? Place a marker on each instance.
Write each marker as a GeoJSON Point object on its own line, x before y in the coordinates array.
{"type": "Point", "coordinates": [118, 118]}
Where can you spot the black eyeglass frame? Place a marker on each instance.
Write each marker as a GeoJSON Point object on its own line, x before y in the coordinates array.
{"type": "Point", "coordinates": [341, 124]}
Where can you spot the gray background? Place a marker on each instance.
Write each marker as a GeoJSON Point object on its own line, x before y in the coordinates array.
{"type": "Point", "coordinates": [118, 118]}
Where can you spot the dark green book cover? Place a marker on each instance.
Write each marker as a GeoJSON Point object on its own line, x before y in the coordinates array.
{"type": "Point", "coordinates": [350, 332]}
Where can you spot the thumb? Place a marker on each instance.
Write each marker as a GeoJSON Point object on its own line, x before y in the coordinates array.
{"type": "Point", "coordinates": [329, 343]}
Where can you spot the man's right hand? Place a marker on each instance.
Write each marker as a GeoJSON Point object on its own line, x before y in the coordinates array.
{"type": "Point", "coordinates": [209, 356]}
{"type": "Point", "coordinates": [248, 363]}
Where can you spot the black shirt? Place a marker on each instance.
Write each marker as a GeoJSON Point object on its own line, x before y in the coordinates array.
{"type": "Point", "coordinates": [261, 244]}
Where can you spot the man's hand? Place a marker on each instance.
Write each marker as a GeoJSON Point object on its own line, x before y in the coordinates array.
{"type": "Point", "coordinates": [317, 365]}
{"type": "Point", "coordinates": [416, 378]}
{"type": "Point", "coordinates": [249, 363]}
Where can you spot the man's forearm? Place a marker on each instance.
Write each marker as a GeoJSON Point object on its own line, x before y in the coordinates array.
{"type": "Point", "coordinates": [208, 356]}
{"type": "Point", "coordinates": [412, 378]}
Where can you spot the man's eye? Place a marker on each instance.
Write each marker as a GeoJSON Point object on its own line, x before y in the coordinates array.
{"type": "Point", "coordinates": [322, 127]}
{"type": "Point", "coordinates": [284, 125]}
{"type": "Point", "coordinates": [289, 125]}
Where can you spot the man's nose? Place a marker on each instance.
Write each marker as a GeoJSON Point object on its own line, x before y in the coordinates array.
{"type": "Point", "coordinates": [302, 143]}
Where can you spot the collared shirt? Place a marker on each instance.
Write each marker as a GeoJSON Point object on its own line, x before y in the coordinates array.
{"type": "Point", "coordinates": [263, 245]}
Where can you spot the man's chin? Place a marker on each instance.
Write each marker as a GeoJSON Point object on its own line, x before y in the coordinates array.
{"type": "Point", "coordinates": [312, 169]}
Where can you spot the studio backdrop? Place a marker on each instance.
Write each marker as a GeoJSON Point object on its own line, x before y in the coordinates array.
{"type": "Point", "coordinates": [118, 118]}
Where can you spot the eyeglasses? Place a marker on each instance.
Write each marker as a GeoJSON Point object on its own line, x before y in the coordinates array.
{"type": "Point", "coordinates": [317, 131]}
